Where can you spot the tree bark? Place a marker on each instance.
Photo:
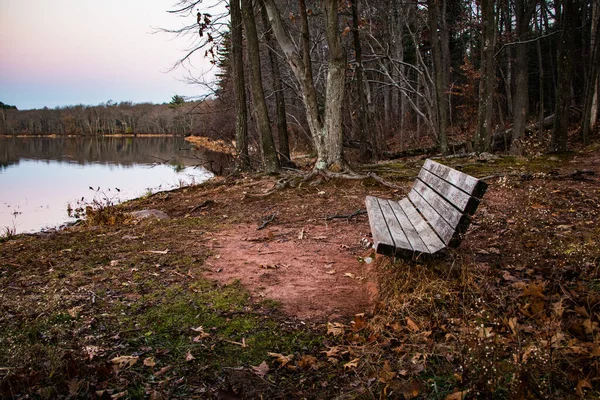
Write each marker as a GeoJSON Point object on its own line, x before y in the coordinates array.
{"type": "Point", "coordinates": [589, 117]}
{"type": "Point", "coordinates": [239, 87]}
{"type": "Point", "coordinates": [524, 11]}
{"type": "Point", "coordinates": [282, 134]}
{"type": "Point", "coordinates": [332, 154]}
{"type": "Point", "coordinates": [487, 84]}
{"type": "Point", "coordinates": [565, 70]}
{"type": "Point", "coordinates": [270, 160]}
{"type": "Point", "coordinates": [440, 95]}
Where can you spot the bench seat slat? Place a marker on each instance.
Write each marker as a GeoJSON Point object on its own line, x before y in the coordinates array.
{"type": "Point", "coordinates": [457, 197]}
{"type": "Point", "coordinates": [431, 240]}
{"type": "Point", "coordinates": [398, 235]}
{"type": "Point", "coordinates": [411, 233]}
{"type": "Point", "coordinates": [382, 239]}
{"type": "Point", "coordinates": [439, 225]}
{"type": "Point", "coordinates": [467, 183]}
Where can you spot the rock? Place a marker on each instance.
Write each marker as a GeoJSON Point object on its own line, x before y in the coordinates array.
{"type": "Point", "coordinates": [143, 214]}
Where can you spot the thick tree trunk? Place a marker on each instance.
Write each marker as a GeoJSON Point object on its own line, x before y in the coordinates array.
{"type": "Point", "coordinates": [488, 78]}
{"type": "Point", "coordinates": [331, 156]}
{"type": "Point", "coordinates": [565, 70]}
{"type": "Point", "coordinates": [270, 160]}
{"type": "Point", "coordinates": [282, 134]}
{"type": "Point", "coordinates": [440, 92]}
{"type": "Point", "coordinates": [239, 87]}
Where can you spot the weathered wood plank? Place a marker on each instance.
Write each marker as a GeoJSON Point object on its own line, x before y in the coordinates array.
{"type": "Point", "coordinates": [457, 197]}
{"type": "Point", "coordinates": [467, 183]}
{"type": "Point", "coordinates": [437, 222]}
{"type": "Point", "coordinates": [450, 213]}
{"type": "Point", "coordinates": [429, 237]}
{"type": "Point", "coordinates": [398, 235]}
{"type": "Point", "coordinates": [382, 239]}
{"type": "Point", "coordinates": [411, 233]}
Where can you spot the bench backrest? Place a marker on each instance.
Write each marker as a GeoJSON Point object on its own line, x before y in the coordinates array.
{"type": "Point", "coordinates": [446, 198]}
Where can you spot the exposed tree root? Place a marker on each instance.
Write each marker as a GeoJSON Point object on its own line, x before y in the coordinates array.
{"type": "Point", "coordinates": [318, 176]}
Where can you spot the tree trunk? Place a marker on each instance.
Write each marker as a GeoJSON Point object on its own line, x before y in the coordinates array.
{"type": "Point", "coordinates": [565, 70]}
{"type": "Point", "coordinates": [487, 83]}
{"type": "Point", "coordinates": [282, 134]}
{"type": "Point", "coordinates": [331, 156]}
{"type": "Point", "coordinates": [591, 81]}
{"type": "Point", "coordinates": [440, 95]}
{"type": "Point", "coordinates": [270, 160]}
{"type": "Point", "coordinates": [524, 11]}
{"type": "Point", "coordinates": [239, 87]}
{"type": "Point", "coordinates": [365, 154]}
{"type": "Point", "coordinates": [541, 84]}
{"type": "Point", "coordinates": [327, 137]}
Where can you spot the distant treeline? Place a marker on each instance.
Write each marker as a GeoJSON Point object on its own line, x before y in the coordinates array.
{"type": "Point", "coordinates": [177, 118]}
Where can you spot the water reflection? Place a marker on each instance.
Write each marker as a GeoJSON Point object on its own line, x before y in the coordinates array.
{"type": "Point", "coordinates": [41, 177]}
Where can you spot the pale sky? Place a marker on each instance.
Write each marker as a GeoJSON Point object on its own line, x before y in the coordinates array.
{"type": "Point", "coordinates": [66, 52]}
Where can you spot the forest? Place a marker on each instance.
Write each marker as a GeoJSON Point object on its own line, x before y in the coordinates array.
{"type": "Point", "coordinates": [177, 117]}
{"type": "Point", "coordinates": [446, 74]}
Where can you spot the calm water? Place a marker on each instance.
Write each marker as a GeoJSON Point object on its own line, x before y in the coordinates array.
{"type": "Point", "coordinates": [41, 177]}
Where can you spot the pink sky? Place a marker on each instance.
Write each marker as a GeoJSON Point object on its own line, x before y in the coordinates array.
{"type": "Point", "coordinates": [63, 52]}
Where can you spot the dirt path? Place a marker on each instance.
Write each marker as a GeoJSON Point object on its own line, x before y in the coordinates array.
{"type": "Point", "coordinates": [313, 271]}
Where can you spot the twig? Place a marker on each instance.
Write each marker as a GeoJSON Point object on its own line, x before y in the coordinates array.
{"type": "Point", "coordinates": [349, 216]}
{"type": "Point", "coordinates": [202, 205]}
{"type": "Point", "coordinates": [267, 221]}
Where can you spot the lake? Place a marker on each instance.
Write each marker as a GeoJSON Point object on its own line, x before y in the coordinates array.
{"type": "Point", "coordinates": [41, 177]}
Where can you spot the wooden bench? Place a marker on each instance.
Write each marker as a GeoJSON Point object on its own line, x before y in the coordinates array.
{"type": "Point", "coordinates": [435, 215]}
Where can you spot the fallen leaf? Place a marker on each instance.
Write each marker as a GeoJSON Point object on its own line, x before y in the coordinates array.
{"type": "Point", "coordinates": [558, 308]}
{"type": "Point", "coordinates": [589, 326]}
{"type": "Point", "coordinates": [92, 351]}
{"type": "Point", "coordinates": [335, 328]}
{"type": "Point", "coordinates": [350, 275]}
{"type": "Point", "coordinates": [308, 362]}
{"type": "Point", "coordinates": [74, 312]}
{"type": "Point", "coordinates": [457, 395]}
{"type": "Point", "coordinates": [119, 395]}
{"type": "Point", "coordinates": [534, 289]}
{"type": "Point", "coordinates": [261, 370]}
{"type": "Point", "coordinates": [412, 326]}
{"type": "Point", "coordinates": [149, 362]}
{"type": "Point", "coordinates": [163, 370]}
{"type": "Point", "coordinates": [281, 359]}
{"type": "Point", "coordinates": [508, 277]}
{"type": "Point", "coordinates": [332, 352]}
{"type": "Point", "coordinates": [189, 357]}
{"type": "Point", "coordinates": [124, 362]}
{"type": "Point", "coordinates": [333, 271]}
{"type": "Point", "coordinates": [579, 310]}
{"type": "Point", "coordinates": [582, 384]}
{"type": "Point", "coordinates": [386, 374]}
{"type": "Point", "coordinates": [359, 322]}
{"type": "Point", "coordinates": [513, 325]}
{"type": "Point", "coordinates": [352, 364]}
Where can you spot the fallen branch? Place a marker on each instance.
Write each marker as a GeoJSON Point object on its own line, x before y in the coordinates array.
{"type": "Point", "coordinates": [267, 221]}
{"type": "Point", "coordinates": [348, 217]}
